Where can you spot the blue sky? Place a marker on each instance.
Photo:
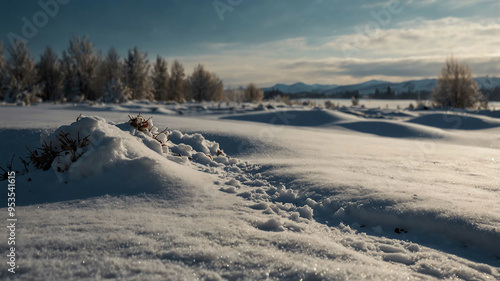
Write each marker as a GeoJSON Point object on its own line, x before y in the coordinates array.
{"type": "Point", "coordinates": [280, 41]}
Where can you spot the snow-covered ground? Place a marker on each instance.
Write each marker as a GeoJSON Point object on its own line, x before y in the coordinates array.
{"type": "Point", "coordinates": [297, 193]}
{"type": "Point", "coordinates": [383, 104]}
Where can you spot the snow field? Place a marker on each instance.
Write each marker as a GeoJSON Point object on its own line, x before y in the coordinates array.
{"type": "Point", "coordinates": [314, 201]}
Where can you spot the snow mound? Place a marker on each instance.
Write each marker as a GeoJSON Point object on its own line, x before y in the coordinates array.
{"type": "Point", "coordinates": [356, 122]}
{"type": "Point", "coordinates": [309, 118]}
{"type": "Point", "coordinates": [119, 160]}
{"type": "Point", "coordinates": [377, 113]}
{"type": "Point", "coordinates": [196, 141]}
{"type": "Point", "coordinates": [394, 129]}
{"type": "Point", "coordinates": [456, 121]}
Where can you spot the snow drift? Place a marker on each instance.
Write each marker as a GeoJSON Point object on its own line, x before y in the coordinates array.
{"type": "Point", "coordinates": [456, 121]}
{"type": "Point", "coordinates": [316, 204]}
{"type": "Point", "coordinates": [359, 122]}
{"type": "Point", "coordinates": [394, 129]}
{"type": "Point", "coordinates": [118, 160]}
{"type": "Point", "coordinates": [309, 118]}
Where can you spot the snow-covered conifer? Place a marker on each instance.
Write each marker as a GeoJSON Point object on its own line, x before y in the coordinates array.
{"type": "Point", "coordinates": [137, 75]}
{"type": "Point", "coordinates": [160, 79]}
{"type": "Point", "coordinates": [112, 66]}
{"type": "Point", "coordinates": [50, 75]}
{"type": "Point", "coordinates": [200, 83]}
{"type": "Point", "coordinates": [177, 83]}
{"type": "Point", "coordinates": [110, 74]}
{"type": "Point", "coordinates": [22, 76]}
{"type": "Point", "coordinates": [116, 92]}
{"type": "Point", "coordinates": [80, 65]}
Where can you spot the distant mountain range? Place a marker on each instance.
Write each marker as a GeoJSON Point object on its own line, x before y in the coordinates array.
{"type": "Point", "coordinates": [371, 86]}
{"type": "Point", "coordinates": [301, 88]}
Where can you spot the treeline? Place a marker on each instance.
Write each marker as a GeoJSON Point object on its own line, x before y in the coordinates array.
{"type": "Point", "coordinates": [81, 73]}
{"type": "Point", "coordinates": [492, 94]}
{"type": "Point", "coordinates": [276, 94]}
{"type": "Point", "coordinates": [388, 94]}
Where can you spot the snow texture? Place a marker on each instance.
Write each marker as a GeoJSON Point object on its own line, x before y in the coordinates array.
{"type": "Point", "coordinates": [313, 194]}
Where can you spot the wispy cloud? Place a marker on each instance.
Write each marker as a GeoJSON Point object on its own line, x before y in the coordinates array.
{"type": "Point", "coordinates": [376, 5]}
{"type": "Point", "coordinates": [429, 38]}
{"type": "Point", "coordinates": [411, 49]}
{"type": "Point", "coordinates": [237, 70]}
{"type": "Point", "coordinates": [448, 4]}
{"type": "Point", "coordinates": [441, 4]}
{"type": "Point", "coordinates": [400, 69]}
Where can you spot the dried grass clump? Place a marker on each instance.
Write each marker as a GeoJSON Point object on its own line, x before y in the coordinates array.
{"type": "Point", "coordinates": [146, 125]}
{"type": "Point", "coordinates": [140, 123]}
{"type": "Point", "coordinates": [43, 157]}
{"type": "Point", "coordinates": [5, 174]}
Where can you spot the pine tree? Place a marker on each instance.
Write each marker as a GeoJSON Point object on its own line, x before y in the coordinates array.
{"type": "Point", "coordinates": [112, 66]}
{"type": "Point", "coordinates": [201, 84]}
{"type": "Point", "coordinates": [116, 92]}
{"type": "Point", "coordinates": [22, 76]}
{"type": "Point", "coordinates": [188, 90]}
{"type": "Point", "coordinates": [389, 94]}
{"type": "Point", "coordinates": [21, 67]}
{"type": "Point", "coordinates": [50, 76]}
{"type": "Point", "coordinates": [177, 84]}
{"type": "Point", "coordinates": [110, 75]}
{"type": "Point", "coordinates": [137, 75]}
{"type": "Point", "coordinates": [71, 90]}
{"type": "Point", "coordinates": [160, 79]}
{"type": "Point", "coordinates": [80, 65]}
{"type": "Point", "coordinates": [217, 88]}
